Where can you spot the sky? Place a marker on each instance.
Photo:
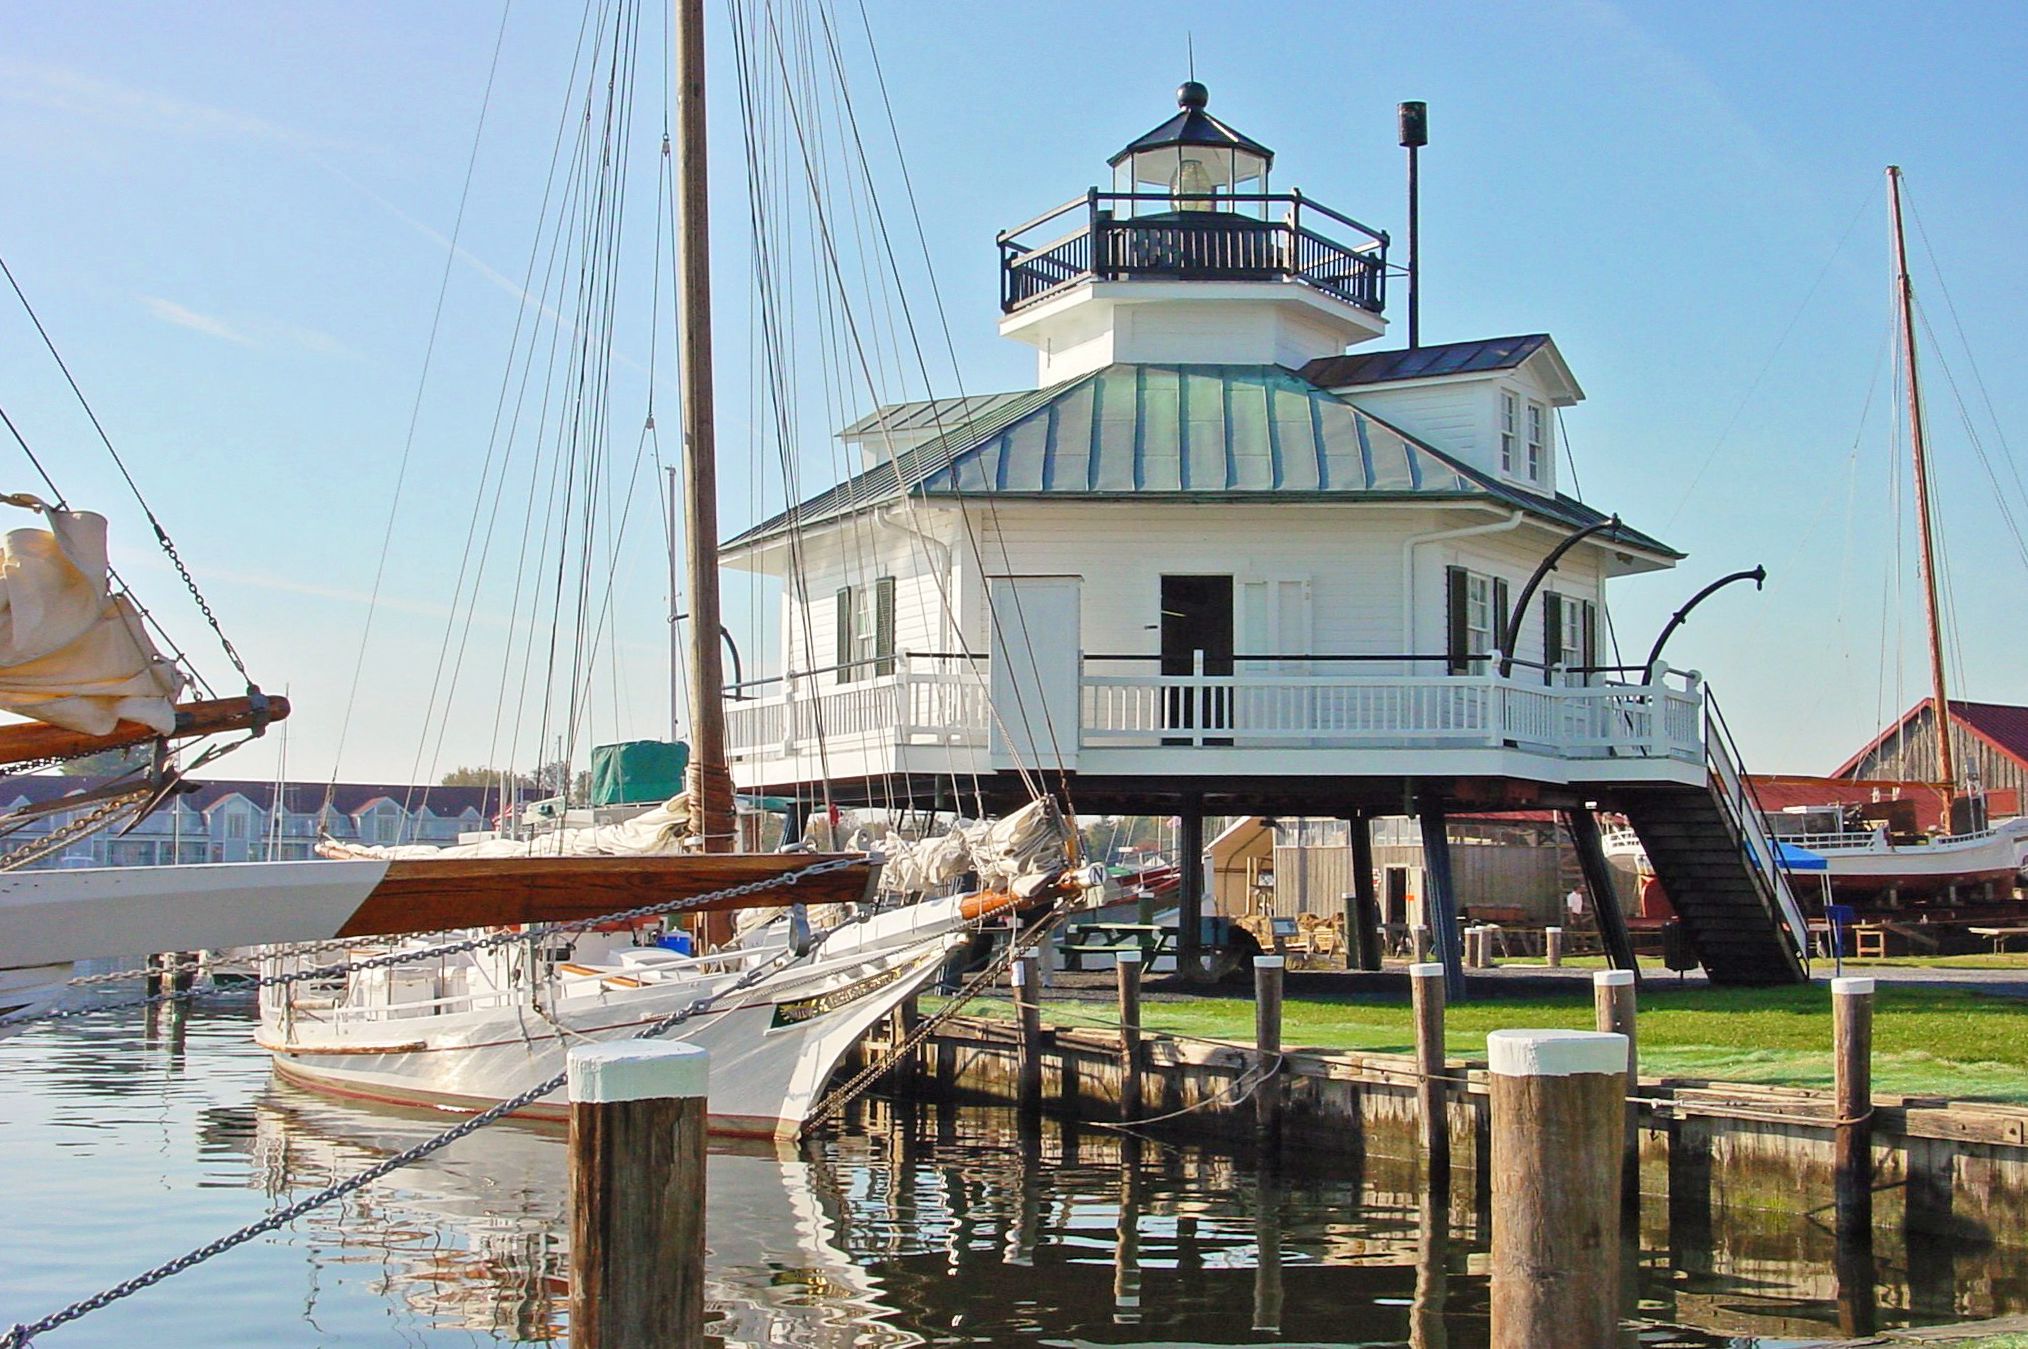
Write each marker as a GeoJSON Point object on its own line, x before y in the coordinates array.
{"type": "Point", "coordinates": [235, 221]}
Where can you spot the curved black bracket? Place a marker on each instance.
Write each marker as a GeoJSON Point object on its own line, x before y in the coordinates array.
{"type": "Point", "coordinates": [732, 649]}
{"type": "Point", "coordinates": [1512, 636]}
{"type": "Point", "coordinates": [1759, 578]}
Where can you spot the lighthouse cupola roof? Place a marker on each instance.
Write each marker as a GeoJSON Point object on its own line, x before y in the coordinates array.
{"type": "Point", "coordinates": [1189, 257]}
{"type": "Point", "coordinates": [1193, 153]}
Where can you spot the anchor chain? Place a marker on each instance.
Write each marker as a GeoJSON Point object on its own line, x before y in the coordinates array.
{"type": "Point", "coordinates": [22, 1334]}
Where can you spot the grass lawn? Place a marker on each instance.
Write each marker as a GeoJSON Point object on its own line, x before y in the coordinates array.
{"type": "Point", "coordinates": [1926, 1041]}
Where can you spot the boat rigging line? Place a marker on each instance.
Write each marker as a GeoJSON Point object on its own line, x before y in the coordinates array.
{"type": "Point", "coordinates": [22, 1334]}
{"type": "Point", "coordinates": [415, 406]}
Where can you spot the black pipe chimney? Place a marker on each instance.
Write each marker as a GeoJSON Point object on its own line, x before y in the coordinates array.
{"type": "Point", "coordinates": [1414, 135]}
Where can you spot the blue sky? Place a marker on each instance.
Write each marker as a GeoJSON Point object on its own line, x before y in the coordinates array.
{"type": "Point", "coordinates": [234, 219]}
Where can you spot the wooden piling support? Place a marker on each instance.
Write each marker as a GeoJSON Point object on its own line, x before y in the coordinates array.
{"type": "Point", "coordinates": [1852, 1091]}
{"type": "Point", "coordinates": [1267, 1039]}
{"type": "Point", "coordinates": [1364, 910]}
{"type": "Point", "coordinates": [182, 969]}
{"type": "Point", "coordinates": [1426, 988]}
{"type": "Point", "coordinates": [1557, 1111]}
{"type": "Point", "coordinates": [1614, 1009]}
{"type": "Point", "coordinates": [1026, 975]}
{"type": "Point", "coordinates": [1421, 940]}
{"type": "Point", "coordinates": [1552, 946]}
{"type": "Point", "coordinates": [637, 1131]}
{"type": "Point", "coordinates": [1127, 966]}
{"type": "Point", "coordinates": [1440, 897]}
{"type": "Point", "coordinates": [153, 984]}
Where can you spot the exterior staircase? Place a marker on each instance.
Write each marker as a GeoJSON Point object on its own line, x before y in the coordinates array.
{"type": "Point", "coordinates": [1717, 863]}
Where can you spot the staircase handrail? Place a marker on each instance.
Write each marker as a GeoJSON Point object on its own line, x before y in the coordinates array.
{"type": "Point", "coordinates": [1743, 806]}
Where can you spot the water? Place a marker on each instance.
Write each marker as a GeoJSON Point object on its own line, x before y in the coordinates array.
{"type": "Point", "coordinates": [125, 1141]}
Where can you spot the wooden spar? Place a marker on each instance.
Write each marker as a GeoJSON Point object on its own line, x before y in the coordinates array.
{"type": "Point", "coordinates": [35, 740]}
{"type": "Point", "coordinates": [1904, 296]}
{"type": "Point", "coordinates": [428, 895]}
{"type": "Point", "coordinates": [710, 779]}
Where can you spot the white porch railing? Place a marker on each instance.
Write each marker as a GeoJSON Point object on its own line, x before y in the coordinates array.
{"type": "Point", "coordinates": [947, 705]}
{"type": "Point", "coordinates": [1388, 711]}
{"type": "Point", "coordinates": [936, 706]}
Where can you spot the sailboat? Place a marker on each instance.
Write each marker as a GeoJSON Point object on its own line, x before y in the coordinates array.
{"type": "Point", "coordinates": [467, 1027]}
{"type": "Point", "coordinates": [1924, 850]}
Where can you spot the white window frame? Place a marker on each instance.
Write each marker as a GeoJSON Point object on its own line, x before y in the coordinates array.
{"type": "Point", "coordinates": [1538, 440]}
{"type": "Point", "coordinates": [865, 631]}
{"type": "Point", "coordinates": [1479, 618]}
{"type": "Point", "coordinates": [1510, 429]}
{"type": "Point", "coordinates": [1570, 632]}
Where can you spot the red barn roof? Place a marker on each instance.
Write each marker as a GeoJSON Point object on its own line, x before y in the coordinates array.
{"type": "Point", "coordinates": [2001, 725]}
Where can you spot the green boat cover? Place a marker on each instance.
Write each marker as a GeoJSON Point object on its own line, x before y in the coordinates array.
{"type": "Point", "coordinates": [638, 772]}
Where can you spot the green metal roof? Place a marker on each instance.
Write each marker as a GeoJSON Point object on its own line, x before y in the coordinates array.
{"type": "Point", "coordinates": [1178, 433]}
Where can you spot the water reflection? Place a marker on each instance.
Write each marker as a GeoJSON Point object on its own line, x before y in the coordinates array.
{"type": "Point", "coordinates": [906, 1226]}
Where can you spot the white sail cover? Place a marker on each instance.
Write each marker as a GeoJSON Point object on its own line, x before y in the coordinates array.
{"type": "Point", "coordinates": [653, 833]}
{"type": "Point", "coordinates": [72, 653]}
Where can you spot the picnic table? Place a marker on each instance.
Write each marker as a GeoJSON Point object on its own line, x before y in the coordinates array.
{"type": "Point", "coordinates": [1109, 939]}
{"type": "Point", "coordinates": [2000, 935]}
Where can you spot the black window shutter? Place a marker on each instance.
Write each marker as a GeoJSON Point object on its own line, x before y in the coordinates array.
{"type": "Point", "coordinates": [844, 634]}
{"type": "Point", "coordinates": [1500, 616]}
{"type": "Point", "coordinates": [1590, 636]}
{"type": "Point", "coordinates": [883, 625]}
{"type": "Point", "coordinates": [1552, 633]}
{"type": "Point", "coordinates": [1454, 589]}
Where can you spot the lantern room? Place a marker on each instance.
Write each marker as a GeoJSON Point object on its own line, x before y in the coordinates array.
{"type": "Point", "coordinates": [1189, 257]}
{"type": "Point", "coordinates": [1193, 162]}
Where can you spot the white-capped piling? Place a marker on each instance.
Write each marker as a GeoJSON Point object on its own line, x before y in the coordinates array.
{"type": "Point", "coordinates": [1027, 980]}
{"type": "Point", "coordinates": [637, 1135]}
{"type": "Point", "coordinates": [1426, 991]}
{"type": "Point", "coordinates": [1552, 946]}
{"type": "Point", "coordinates": [1127, 967]}
{"type": "Point", "coordinates": [1852, 1092]}
{"type": "Point", "coordinates": [1614, 1010]}
{"type": "Point", "coordinates": [1557, 1111]}
{"type": "Point", "coordinates": [1267, 1039]}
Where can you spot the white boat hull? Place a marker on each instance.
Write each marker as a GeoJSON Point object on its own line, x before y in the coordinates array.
{"type": "Point", "coordinates": [773, 1046]}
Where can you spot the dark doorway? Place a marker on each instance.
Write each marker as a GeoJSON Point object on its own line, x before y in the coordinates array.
{"type": "Point", "coordinates": [1394, 905]}
{"type": "Point", "coordinates": [1197, 616]}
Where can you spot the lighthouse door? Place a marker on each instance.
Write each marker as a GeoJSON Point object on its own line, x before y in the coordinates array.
{"type": "Point", "coordinates": [1197, 617]}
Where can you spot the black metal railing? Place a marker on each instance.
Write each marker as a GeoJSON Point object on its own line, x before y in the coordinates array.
{"type": "Point", "coordinates": [1199, 238]}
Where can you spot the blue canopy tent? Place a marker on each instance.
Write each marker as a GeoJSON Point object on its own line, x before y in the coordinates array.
{"type": "Point", "coordinates": [1792, 858]}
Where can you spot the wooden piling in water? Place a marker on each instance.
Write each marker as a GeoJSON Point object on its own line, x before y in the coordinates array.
{"type": "Point", "coordinates": [1614, 1011]}
{"type": "Point", "coordinates": [1552, 946]}
{"type": "Point", "coordinates": [1557, 1112]}
{"type": "Point", "coordinates": [1026, 976]}
{"type": "Point", "coordinates": [637, 1131]}
{"type": "Point", "coordinates": [1127, 967]}
{"type": "Point", "coordinates": [1267, 1040]}
{"type": "Point", "coordinates": [1426, 989]}
{"type": "Point", "coordinates": [1852, 1093]}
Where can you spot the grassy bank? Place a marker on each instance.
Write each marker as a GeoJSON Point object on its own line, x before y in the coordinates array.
{"type": "Point", "coordinates": [1927, 1041]}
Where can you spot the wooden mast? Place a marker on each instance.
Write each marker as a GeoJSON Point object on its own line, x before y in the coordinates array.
{"type": "Point", "coordinates": [1904, 295]}
{"type": "Point", "coordinates": [709, 780]}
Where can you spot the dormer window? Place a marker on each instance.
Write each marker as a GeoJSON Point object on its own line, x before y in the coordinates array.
{"type": "Point", "coordinates": [1510, 431]}
{"type": "Point", "coordinates": [1538, 441]}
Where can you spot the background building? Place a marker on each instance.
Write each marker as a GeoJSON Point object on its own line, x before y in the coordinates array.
{"type": "Point", "coordinates": [232, 821]}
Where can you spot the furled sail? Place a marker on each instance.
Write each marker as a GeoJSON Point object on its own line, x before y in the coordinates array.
{"type": "Point", "coordinates": [660, 832]}
{"type": "Point", "coordinates": [72, 653]}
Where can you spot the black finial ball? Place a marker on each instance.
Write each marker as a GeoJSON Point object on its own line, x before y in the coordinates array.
{"type": "Point", "coordinates": [1190, 94]}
